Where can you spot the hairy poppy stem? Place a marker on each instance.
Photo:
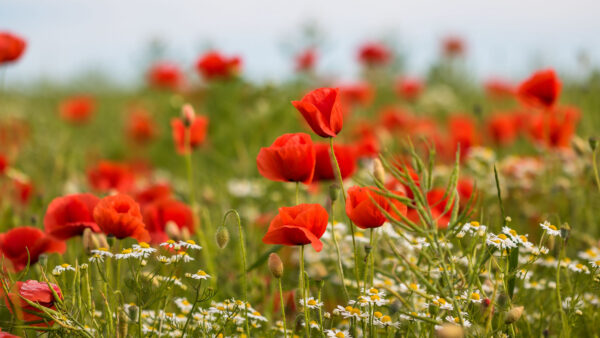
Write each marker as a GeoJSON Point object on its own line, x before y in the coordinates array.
{"type": "Point", "coordinates": [595, 166]}
{"type": "Point", "coordinates": [303, 290]}
{"type": "Point", "coordinates": [339, 256]}
{"type": "Point", "coordinates": [338, 174]}
{"type": "Point", "coordinates": [244, 269]}
{"type": "Point", "coordinates": [282, 308]}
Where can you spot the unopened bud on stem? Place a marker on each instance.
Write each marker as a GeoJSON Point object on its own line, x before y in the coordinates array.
{"type": "Point", "coordinates": [275, 265]}
{"type": "Point", "coordinates": [222, 237]}
{"type": "Point", "coordinates": [378, 171]}
{"type": "Point", "coordinates": [513, 315]}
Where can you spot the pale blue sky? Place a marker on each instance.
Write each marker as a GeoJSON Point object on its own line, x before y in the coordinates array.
{"type": "Point", "coordinates": [510, 37]}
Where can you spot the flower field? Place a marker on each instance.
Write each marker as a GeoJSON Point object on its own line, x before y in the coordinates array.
{"type": "Point", "coordinates": [203, 204]}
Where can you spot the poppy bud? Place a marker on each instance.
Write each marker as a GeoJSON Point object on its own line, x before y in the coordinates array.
{"type": "Point", "coordinates": [275, 265]}
{"type": "Point", "coordinates": [513, 315]}
{"type": "Point", "coordinates": [593, 142]}
{"type": "Point", "coordinates": [449, 330]}
{"type": "Point", "coordinates": [188, 115]}
{"type": "Point", "coordinates": [378, 171]}
{"type": "Point", "coordinates": [93, 241]}
{"type": "Point", "coordinates": [185, 234]}
{"type": "Point", "coordinates": [121, 324]}
{"type": "Point", "coordinates": [334, 192]}
{"type": "Point", "coordinates": [222, 237]}
{"type": "Point", "coordinates": [172, 230]}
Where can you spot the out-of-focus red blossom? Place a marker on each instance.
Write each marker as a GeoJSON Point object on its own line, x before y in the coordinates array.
{"type": "Point", "coordinates": [119, 215]}
{"type": "Point", "coordinates": [366, 143]}
{"type": "Point", "coordinates": [35, 292]}
{"type": "Point", "coordinates": [498, 88]}
{"type": "Point", "coordinates": [540, 90]}
{"type": "Point", "coordinates": [140, 128]}
{"type": "Point", "coordinates": [264, 219]}
{"type": "Point", "coordinates": [14, 132]}
{"type": "Point", "coordinates": [152, 193]}
{"type": "Point", "coordinates": [462, 131]}
{"type": "Point", "coordinates": [502, 128]}
{"type": "Point", "coordinates": [23, 190]}
{"type": "Point", "coordinates": [77, 109]}
{"type": "Point", "coordinates": [466, 191]}
{"type": "Point", "coordinates": [288, 301]}
{"type": "Point", "coordinates": [214, 65]}
{"type": "Point", "coordinates": [345, 155]}
{"type": "Point", "coordinates": [361, 209]}
{"type": "Point", "coordinates": [425, 128]}
{"type": "Point", "coordinates": [394, 184]}
{"type": "Point", "coordinates": [70, 215]}
{"type": "Point", "coordinates": [453, 46]}
{"type": "Point", "coordinates": [291, 158]}
{"type": "Point", "coordinates": [321, 108]}
{"type": "Point", "coordinates": [409, 88]}
{"type": "Point", "coordinates": [374, 54]}
{"type": "Point", "coordinates": [356, 93]}
{"type": "Point", "coordinates": [3, 164]}
{"type": "Point", "coordinates": [107, 176]}
{"type": "Point", "coordinates": [395, 119]}
{"type": "Point", "coordinates": [298, 225]}
{"type": "Point", "coordinates": [554, 128]}
{"type": "Point", "coordinates": [165, 75]}
{"type": "Point", "coordinates": [26, 242]}
{"type": "Point", "coordinates": [191, 137]}
{"type": "Point", "coordinates": [157, 214]}
{"type": "Point", "coordinates": [11, 47]}
{"type": "Point", "coordinates": [437, 202]}
{"type": "Point", "coordinates": [306, 60]}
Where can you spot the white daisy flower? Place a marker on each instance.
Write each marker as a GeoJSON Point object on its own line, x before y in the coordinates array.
{"type": "Point", "coordinates": [128, 253]}
{"type": "Point", "coordinates": [102, 252]}
{"type": "Point", "coordinates": [311, 303]}
{"type": "Point", "coordinates": [551, 230]}
{"type": "Point", "coordinates": [198, 275]}
{"type": "Point", "coordinates": [144, 249]}
{"type": "Point", "coordinates": [171, 244]}
{"type": "Point", "coordinates": [500, 241]}
{"type": "Point", "coordinates": [442, 304]}
{"type": "Point", "coordinates": [183, 304]}
{"type": "Point", "coordinates": [335, 333]}
{"type": "Point", "coordinates": [474, 297]}
{"type": "Point", "coordinates": [189, 244]}
{"type": "Point", "coordinates": [59, 269]}
{"type": "Point", "coordinates": [578, 267]}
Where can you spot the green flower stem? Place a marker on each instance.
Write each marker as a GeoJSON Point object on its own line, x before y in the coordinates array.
{"type": "Point", "coordinates": [341, 182]}
{"type": "Point", "coordinates": [303, 291]}
{"type": "Point", "coordinates": [339, 256]}
{"type": "Point", "coordinates": [282, 308]}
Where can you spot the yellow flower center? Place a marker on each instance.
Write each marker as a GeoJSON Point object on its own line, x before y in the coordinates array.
{"type": "Point", "coordinates": [144, 245]}
{"type": "Point", "coordinates": [413, 286]}
{"type": "Point", "coordinates": [378, 314]}
{"type": "Point", "coordinates": [373, 290]}
{"type": "Point", "coordinates": [552, 227]}
{"type": "Point", "coordinates": [201, 273]}
{"type": "Point", "coordinates": [126, 251]}
{"type": "Point", "coordinates": [386, 319]}
{"type": "Point", "coordinates": [311, 302]}
{"type": "Point", "coordinates": [475, 224]}
{"type": "Point", "coordinates": [523, 239]}
{"type": "Point", "coordinates": [189, 241]}
{"type": "Point", "coordinates": [502, 236]}
{"type": "Point", "coordinates": [171, 241]}
{"type": "Point", "coordinates": [65, 265]}
{"type": "Point", "coordinates": [340, 334]}
{"type": "Point", "coordinates": [349, 308]}
{"type": "Point", "coordinates": [475, 296]}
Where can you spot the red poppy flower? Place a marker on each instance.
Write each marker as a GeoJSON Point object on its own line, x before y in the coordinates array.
{"type": "Point", "coordinates": [463, 132]}
{"type": "Point", "coordinates": [23, 190]}
{"type": "Point", "coordinates": [499, 88]}
{"type": "Point", "coordinates": [213, 65]}
{"type": "Point", "coordinates": [409, 88]}
{"type": "Point", "coordinates": [165, 75]}
{"type": "Point", "coordinates": [363, 211]}
{"type": "Point", "coordinates": [374, 53]}
{"type": "Point", "coordinates": [195, 134]}
{"type": "Point", "coordinates": [7, 335]}
{"type": "Point", "coordinates": [394, 119]}
{"type": "Point", "coordinates": [356, 93]}
{"type": "Point", "coordinates": [77, 109]}
{"type": "Point", "coordinates": [291, 158]}
{"type": "Point", "coordinates": [540, 90]}
{"type": "Point", "coordinates": [3, 164]}
{"type": "Point", "coordinates": [26, 242]}
{"type": "Point", "coordinates": [119, 215]}
{"type": "Point", "coordinates": [159, 213]}
{"type": "Point", "coordinates": [140, 126]}
{"type": "Point", "coordinates": [555, 128]}
{"type": "Point", "coordinates": [502, 128]}
{"type": "Point", "coordinates": [106, 176]}
{"type": "Point", "coordinates": [69, 215]}
{"type": "Point", "coordinates": [346, 158]}
{"type": "Point", "coordinates": [153, 193]}
{"type": "Point", "coordinates": [453, 46]}
{"type": "Point", "coordinates": [11, 47]}
{"type": "Point", "coordinates": [437, 202]}
{"type": "Point", "coordinates": [298, 225]}
{"type": "Point", "coordinates": [306, 61]}
{"type": "Point", "coordinates": [322, 111]}
{"type": "Point", "coordinates": [35, 292]}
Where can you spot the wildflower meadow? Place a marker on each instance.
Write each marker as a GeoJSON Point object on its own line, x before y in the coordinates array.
{"type": "Point", "coordinates": [205, 204]}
